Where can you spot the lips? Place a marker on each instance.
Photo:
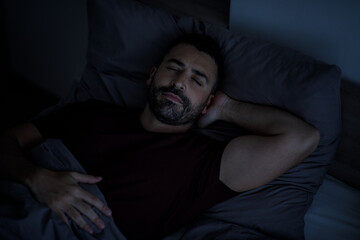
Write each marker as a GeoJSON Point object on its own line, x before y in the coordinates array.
{"type": "Point", "coordinates": [173, 97]}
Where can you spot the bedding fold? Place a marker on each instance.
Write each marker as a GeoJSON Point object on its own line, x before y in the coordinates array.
{"type": "Point", "coordinates": [23, 217]}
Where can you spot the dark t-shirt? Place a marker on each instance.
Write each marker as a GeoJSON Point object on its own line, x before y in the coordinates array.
{"type": "Point", "coordinates": [153, 182]}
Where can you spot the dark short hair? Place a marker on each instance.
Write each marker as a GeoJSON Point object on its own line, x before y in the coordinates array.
{"type": "Point", "coordinates": [205, 44]}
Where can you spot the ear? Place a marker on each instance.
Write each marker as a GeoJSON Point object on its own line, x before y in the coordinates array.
{"type": "Point", "coordinates": [152, 74]}
{"type": "Point", "coordinates": [211, 97]}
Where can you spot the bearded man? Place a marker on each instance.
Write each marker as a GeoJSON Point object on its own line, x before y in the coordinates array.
{"type": "Point", "coordinates": [157, 174]}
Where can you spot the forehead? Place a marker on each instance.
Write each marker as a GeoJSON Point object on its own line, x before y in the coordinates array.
{"type": "Point", "coordinates": [193, 58]}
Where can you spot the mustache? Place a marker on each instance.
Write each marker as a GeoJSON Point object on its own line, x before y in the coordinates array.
{"type": "Point", "coordinates": [175, 91]}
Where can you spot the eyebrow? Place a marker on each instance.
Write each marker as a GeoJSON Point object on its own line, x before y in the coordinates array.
{"type": "Point", "coordinates": [181, 64]}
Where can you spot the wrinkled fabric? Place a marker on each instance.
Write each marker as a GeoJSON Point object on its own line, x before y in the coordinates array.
{"type": "Point", "coordinates": [23, 217]}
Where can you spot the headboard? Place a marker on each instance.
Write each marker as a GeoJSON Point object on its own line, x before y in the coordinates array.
{"type": "Point", "coordinates": [346, 164]}
{"type": "Point", "coordinates": [211, 11]}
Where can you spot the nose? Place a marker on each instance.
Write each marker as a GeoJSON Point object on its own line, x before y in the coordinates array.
{"type": "Point", "coordinates": [179, 81]}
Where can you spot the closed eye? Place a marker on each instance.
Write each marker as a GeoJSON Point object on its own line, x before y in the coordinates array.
{"type": "Point", "coordinates": [197, 82]}
{"type": "Point", "coordinates": [172, 69]}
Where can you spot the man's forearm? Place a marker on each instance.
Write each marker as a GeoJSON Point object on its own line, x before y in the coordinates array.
{"type": "Point", "coordinates": [262, 120]}
{"type": "Point", "coordinates": [14, 164]}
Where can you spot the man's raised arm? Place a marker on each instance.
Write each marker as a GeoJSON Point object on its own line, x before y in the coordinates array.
{"type": "Point", "coordinates": [57, 190]}
{"type": "Point", "coordinates": [280, 141]}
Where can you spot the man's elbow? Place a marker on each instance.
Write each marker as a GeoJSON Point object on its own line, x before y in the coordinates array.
{"type": "Point", "coordinates": [313, 139]}
{"type": "Point", "coordinates": [308, 141]}
{"type": "Point", "coordinates": [316, 138]}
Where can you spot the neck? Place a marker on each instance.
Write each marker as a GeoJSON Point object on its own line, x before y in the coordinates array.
{"type": "Point", "coordinates": [152, 124]}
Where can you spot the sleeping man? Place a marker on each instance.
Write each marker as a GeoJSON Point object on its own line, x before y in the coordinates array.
{"type": "Point", "coordinates": [157, 173]}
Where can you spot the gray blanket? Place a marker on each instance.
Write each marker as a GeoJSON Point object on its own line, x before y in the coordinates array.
{"type": "Point", "coordinates": [23, 217]}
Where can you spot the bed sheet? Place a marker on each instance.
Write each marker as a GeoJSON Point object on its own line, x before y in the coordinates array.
{"type": "Point", "coordinates": [334, 213]}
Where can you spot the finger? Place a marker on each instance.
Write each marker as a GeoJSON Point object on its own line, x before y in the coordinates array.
{"type": "Point", "coordinates": [90, 213]}
{"type": "Point", "coordinates": [79, 220]}
{"type": "Point", "coordinates": [63, 217]}
{"type": "Point", "coordinates": [93, 200]}
{"type": "Point", "coordinates": [85, 178]}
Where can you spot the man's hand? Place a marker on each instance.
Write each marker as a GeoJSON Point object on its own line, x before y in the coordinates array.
{"type": "Point", "coordinates": [60, 192]}
{"type": "Point", "coordinates": [215, 109]}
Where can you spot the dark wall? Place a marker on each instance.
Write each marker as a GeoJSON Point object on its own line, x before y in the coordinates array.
{"type": "Point", "coordinates": [4, 55]}
{"type": "Point", "coordinates": [325, 29]}
{"type": "Point", "coordinates": [47, 41]}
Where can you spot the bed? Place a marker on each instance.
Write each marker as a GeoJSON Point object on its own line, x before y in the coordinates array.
{"type": "Point", "coordinates": [302, 203]}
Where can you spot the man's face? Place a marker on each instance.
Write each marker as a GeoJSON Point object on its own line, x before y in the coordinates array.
{"type": "Point", "coordinates": [180, 88]}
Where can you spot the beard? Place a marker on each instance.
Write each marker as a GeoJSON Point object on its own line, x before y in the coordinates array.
{"type": "Point", "coordinates": [168, 112]}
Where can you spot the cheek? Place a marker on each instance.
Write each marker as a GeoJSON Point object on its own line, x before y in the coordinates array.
{"type": "Point", "coordinates": [197, 97]}
{"type": "Point", "coordinates": [162, 79]}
